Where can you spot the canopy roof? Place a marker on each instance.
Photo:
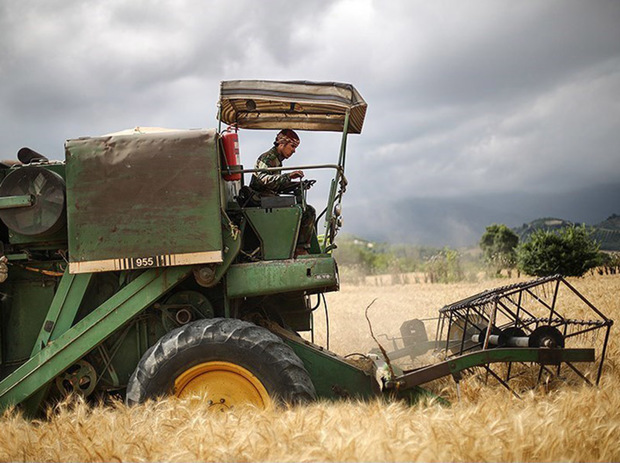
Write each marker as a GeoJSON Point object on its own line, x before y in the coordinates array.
{"type": "Point", "coordinates": [302, 105]}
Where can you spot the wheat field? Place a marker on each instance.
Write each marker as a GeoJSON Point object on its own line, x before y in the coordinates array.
{"type": "Point", "coordinates": [567, 423]}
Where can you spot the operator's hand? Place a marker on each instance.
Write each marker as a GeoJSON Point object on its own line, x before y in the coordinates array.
{"type": "Point", "coordinates": [297, 174]}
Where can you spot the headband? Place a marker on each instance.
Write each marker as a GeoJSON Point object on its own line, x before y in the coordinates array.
{"type": "Point", "coordinates": [282, 139]}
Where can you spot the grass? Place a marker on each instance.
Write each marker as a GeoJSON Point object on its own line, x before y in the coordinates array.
{"type": "Point", "coordinates": [568, 423]}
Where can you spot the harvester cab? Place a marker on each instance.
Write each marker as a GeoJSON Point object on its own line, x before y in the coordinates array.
{"type": "Point", "coordinates": [307, 106]}
{"type": "Point", "coordinates": [142, 265]}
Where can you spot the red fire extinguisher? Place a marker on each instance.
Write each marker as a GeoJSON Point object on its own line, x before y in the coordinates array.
{"type": "Point", "coordinates": [230, 140]}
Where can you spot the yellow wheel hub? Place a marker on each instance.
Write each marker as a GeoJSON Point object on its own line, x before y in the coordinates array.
{"type": "Point", "coordinates": [222, 384]}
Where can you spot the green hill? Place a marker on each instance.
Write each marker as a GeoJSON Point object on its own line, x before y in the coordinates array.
{"type": "Point", "coordinates": [611, 223]}
{"type": "Point", "coordinates": [546, 223]}
{"type": "Point", "coordinates": [607, 233]}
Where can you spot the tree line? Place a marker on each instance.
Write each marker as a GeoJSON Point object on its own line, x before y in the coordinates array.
{"type": "Point", "coordinates": [570, 251]}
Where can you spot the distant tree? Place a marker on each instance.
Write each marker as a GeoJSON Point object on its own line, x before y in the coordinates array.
{"type": "Point", "coordinates": [445, 267]}
{"type": "Point", "coordinates": [498, 244]}
{"type": "Point", "coordinates": [569, 252]}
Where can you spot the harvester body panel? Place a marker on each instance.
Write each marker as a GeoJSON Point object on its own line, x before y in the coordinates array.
{"type": "Point", "coordinates": [312, 274]}
{"type": "Point", "coordinates": [147, 200]}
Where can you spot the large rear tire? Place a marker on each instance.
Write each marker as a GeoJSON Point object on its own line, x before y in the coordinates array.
{"type": "Point", "coordinates": [227, 362]}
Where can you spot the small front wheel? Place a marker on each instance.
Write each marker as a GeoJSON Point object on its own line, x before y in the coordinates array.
{"type": "Point", "coordinates": [227, 362]}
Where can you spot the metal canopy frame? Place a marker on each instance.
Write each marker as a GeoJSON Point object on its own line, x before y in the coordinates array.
{"type": "Point", "coordinates": [298, 105]}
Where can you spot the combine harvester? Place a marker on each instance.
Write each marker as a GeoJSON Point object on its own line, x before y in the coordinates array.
{"type": "Point", "coordinates": [143, 266]}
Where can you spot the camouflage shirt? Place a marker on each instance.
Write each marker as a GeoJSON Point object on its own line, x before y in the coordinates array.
{"type": "Point", "coordinates": [269, 181]}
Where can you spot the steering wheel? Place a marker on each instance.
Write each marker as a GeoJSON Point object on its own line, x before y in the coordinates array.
{"type": "Point", "coordinates": [295, 186]}
{"type": "Point", "coordinates": [307, 184]}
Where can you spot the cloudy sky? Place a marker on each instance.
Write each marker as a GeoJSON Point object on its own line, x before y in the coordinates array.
{"type": "Point", "coordinates": [502, 107]}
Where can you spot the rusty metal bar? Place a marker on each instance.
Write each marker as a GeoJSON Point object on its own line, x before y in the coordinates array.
{"type": "Point", "coordinates": [484, 357]}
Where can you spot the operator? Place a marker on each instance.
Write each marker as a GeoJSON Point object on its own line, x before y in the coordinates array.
{"type": "Point", "coordinates": [270, 183]}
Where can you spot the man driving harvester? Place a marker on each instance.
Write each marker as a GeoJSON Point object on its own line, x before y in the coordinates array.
{"type": "Point", "coordinates": [270, 183]}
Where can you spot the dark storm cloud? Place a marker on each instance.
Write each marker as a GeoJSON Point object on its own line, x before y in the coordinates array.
{"type": "Point", "coordinates": [477, 97]}
{"type": "Point", "coordinates": [513, 51]}
{"type": "Point", "coordinates": [101, 64]}
{"type": "Point", "coordinates": [500, 97]}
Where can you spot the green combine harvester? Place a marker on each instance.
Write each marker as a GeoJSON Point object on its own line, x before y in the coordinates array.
{"type": "Point", "coordinates": [139, 267]}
